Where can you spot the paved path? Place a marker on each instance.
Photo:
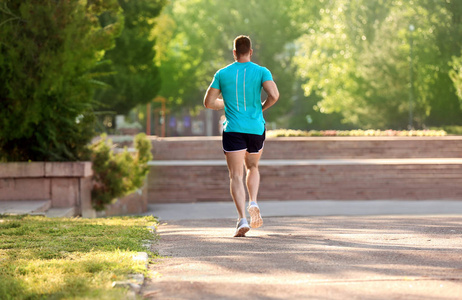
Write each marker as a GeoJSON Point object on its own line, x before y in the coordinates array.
{"type": "Point", "coordinates": [219, 210]}
{"type": "Point", "coordinates": [310, 257]}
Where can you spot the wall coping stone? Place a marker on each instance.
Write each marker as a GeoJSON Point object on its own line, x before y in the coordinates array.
{"type": "Point", "coordinates": [316, 138]}
{"type": "Point", "coordinates": [45, 169]}
{"type": "Point", "coordinates": [305, 162]}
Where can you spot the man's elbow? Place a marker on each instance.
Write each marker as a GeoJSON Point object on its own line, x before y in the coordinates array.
{"type": "Point", "coordinates": [275, 96]}
{"type": "Point", "coordinates": [206, 103]}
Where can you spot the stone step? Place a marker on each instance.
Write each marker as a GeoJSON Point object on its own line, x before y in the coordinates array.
{"type": "Point", "coordinates": [25, 207]}
{"type": "Point", "coordinates": [34, 208]}
{"type": "Point", "coordinates": [67, 212]}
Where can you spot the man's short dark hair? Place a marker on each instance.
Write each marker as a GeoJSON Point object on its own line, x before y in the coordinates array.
{"type": "Point", "coordinates": [242, 45]}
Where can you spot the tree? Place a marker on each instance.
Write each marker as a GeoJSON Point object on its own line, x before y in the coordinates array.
{"type": "Point", "coordinates": [357, 61]}
{"type": "Point", "coordinates": [47, 51]}
{"type": "Point", "coordinates": [131, 76]}
{"type": "Point", "coordinates": [197, 40]}
{"type": "Point", "coordinates": [456, 75]}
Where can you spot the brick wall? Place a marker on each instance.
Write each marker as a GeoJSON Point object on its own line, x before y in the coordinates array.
{"type": "Point", "coordinates": [313, 169]}
{"type": "Point", "coordinates": [198, 148]}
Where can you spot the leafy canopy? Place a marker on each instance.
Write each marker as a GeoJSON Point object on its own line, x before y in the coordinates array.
{"type": "Point", "coordinates": [332, 60]}
{"type": "Point", "coordinates": [47, 50]}
{"type": "Point", "coordinates": [357, 61]}
{"type": "Point", "coordinates": [130, 76]}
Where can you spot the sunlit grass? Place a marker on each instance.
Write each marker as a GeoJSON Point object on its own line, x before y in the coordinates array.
{"type": "Point", "coordinates": [43, 258]}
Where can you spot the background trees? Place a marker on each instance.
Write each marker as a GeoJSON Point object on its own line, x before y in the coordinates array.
{"type": "Point", "coordinates": [337, 63]}
{"type": "Point", "coordinates": [195, 40]}
{"type": "Point", "coordinates": [130, 75]}
{"type": "Point", "coordinates": [359, 64]}
{"type": "Point", "coordinates": [46, 53]}
{"type": "Point", "coordinates": [54, 55]}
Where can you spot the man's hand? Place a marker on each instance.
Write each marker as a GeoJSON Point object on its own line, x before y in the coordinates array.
{"type": "Point", "coordinates": [211, 99]}
{"type": "Point", "coordinates": [273, 94]}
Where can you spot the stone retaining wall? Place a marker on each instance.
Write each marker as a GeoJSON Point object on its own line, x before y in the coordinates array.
{"type": "Point", "coordinates": [327, 168]}
{"type": "Point", "coordinates": [65, 184]}
{"type": "Point", "coordinates": [203, 148]}
{"type": "Point", "coordinates": [134, 203]}
{"type": "Point", "coordinates": [321, 180]}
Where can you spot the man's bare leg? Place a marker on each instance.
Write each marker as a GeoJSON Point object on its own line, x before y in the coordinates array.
{"type": "Point", "coordinates": [253, 174]}
{"type": "Point", "coordinates": [253, 184]}
{"type": "Point", "coordinates": [235, 161]}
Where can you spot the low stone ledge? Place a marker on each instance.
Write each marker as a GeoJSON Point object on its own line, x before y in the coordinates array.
{"type": "Point", "coordinates": [22, 169]}
{"type": "Point", "coordinates": [45, 169]}
{"type": "Point", "coordinates": [315, 147]}
{"type": "Point", "coordinates": [131, 204]}
{"type": "Point", "coordinates": [306, 162]}
{"type": "Point", "coordinates": [66, 184]}
{"type": "Point", "coordinates": [68, 169]}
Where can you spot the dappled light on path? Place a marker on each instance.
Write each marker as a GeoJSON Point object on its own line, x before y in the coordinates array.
{"type": "Point", "coordinates": [323, 257]}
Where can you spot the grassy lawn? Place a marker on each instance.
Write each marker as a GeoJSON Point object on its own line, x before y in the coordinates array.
{"type": "Point", "coordinates": [69, 258]}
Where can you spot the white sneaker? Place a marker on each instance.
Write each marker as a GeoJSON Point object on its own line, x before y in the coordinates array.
{"type": "Point", "coordinates": [242, 228]}
{"type": "Point", "coordinates": [255, 217]}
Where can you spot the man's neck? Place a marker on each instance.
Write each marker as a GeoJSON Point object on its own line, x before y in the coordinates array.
{"type": "Point", "coordinates": [243, 59]}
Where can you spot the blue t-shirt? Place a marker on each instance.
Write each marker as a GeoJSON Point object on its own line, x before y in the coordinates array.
{"type": "Point", "coordinates": [241, 85]}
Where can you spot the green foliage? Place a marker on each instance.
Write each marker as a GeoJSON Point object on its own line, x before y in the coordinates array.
{"type": "Point", "coordinates": [195, 39]}
{"type": "Point", "coordinates": [47, 50]}
{"type": "Point", "coordinates": [456, 75]}
{"type": "Point", "coordinates": [130, 74]}
{"type": "Point", "coordinates": [118, 174]}
{"type": "Point", "coordinates": [63, 258]}
{"type": "Point", "coordinates": [356, 59]}
{"type": "Point", "coordinates": [450, 129]}
{"type": "Point", "coordinates": [345, 64]}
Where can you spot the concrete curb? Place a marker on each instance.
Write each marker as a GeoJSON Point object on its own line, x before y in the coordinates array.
{"type": "Point", "coordinates": [136, 281]}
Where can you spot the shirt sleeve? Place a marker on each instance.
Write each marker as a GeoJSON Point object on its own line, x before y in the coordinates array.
{"type": "Point", "coordinates": [216, 81]}
{"type": "Point", "coordinates": [266, 76]}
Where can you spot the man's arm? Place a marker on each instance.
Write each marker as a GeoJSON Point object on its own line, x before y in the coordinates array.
{"type": "Point", "coordinates": [273, 94]}
{"type": "Point", "coordinates": [211, 99]}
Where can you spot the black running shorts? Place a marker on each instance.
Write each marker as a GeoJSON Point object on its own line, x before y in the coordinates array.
{"type": "Point", "coordinates": [236, 141]}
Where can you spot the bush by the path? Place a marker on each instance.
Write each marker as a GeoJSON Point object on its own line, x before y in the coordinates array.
{"type": "Point", "coordinates": [118, 174]}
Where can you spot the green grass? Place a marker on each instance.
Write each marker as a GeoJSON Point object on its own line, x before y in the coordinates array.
{"type": "Point", "coordinates": [69, 258]}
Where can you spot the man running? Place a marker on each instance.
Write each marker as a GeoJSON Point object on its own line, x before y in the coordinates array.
{"type": "Point", "coordinates": [240, 84]}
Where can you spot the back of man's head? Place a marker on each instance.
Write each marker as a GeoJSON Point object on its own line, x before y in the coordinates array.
{"type": "Point", "coordinates": [242, 45]}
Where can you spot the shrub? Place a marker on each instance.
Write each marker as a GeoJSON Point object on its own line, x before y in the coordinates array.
{"type": "Point", "coordinates": [118, 174]}
{"type": "Point", "coordinates": [450, 129]}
